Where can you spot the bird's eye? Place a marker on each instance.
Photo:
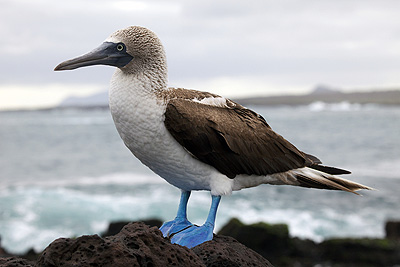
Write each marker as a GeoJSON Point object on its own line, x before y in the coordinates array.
{"type": "Point", "coordinates": [120, 47]}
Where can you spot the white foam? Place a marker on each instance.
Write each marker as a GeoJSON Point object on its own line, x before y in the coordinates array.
{"type": "Point", "coordinates": [341, 106]}
{"type": "Point", "coordinates": [41, 214]}
{"type": "Point", "coordinates": [37, 215]}
{"type": "Point", "coordinates": [112, 179]}
{"type": "Point", "coordinates": [309, 224]}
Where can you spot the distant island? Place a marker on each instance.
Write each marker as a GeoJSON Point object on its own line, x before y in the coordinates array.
{"type": "Point", "coordinates": [94, 100]}
{"type": "Point", "coordinates": [327, 95]}
{"type": "Point", "coordinates": [318, 94]}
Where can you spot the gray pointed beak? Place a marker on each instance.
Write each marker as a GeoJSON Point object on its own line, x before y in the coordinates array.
{"type": "Point", "coordinates": [108, 53]}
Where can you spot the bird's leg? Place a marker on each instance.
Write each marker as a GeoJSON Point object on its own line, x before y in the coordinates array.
{"type": "Point", "coordinates": [180, 222]}
{"type": "Point", "coordinates": [194, 235]}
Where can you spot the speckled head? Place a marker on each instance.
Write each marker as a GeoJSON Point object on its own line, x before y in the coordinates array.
{"type": "Point", "coordinates": [133, 49]}
{"type": "Point", "coordinates": [143, 45]}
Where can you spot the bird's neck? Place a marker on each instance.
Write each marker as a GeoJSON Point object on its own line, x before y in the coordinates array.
{"type": "Point", "coordinates": [144, 81]}
{"type": "Point", "coordinates": [148, 73]}
{"type": "Point", "coordinates": [137, 110]}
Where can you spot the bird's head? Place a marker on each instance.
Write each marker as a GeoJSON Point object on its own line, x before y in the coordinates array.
{"type": "Point", "coordinates": [131, 49]}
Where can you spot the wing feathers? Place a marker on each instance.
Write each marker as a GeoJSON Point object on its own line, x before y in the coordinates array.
{"type": "Point", "coordinates": [233, 140]}
{"type": "Point", "coordinates": [236, 140]}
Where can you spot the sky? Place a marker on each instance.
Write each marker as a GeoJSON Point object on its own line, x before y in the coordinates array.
{"type": "Point", "coordinates": [232, 48]}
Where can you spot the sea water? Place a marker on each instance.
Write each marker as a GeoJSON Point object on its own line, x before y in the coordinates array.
{"type": "Point", "coordinates": [66, 172]}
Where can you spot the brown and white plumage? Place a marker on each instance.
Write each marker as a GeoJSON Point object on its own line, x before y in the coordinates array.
{"type": "Point", "coordinates": [237, 141]}
{"type": "Point", "coordinates": [196, 140]}
{"type": "Point", "coordinates": [218, 144]}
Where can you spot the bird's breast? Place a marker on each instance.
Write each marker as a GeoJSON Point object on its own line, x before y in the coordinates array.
{"type": "Point", "coordinates": [139, 118]}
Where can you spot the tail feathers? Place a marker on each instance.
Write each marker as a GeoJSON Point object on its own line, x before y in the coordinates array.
{"type": "Point", "coordinates": [311, 178]}
{"type": "Point", "coordinates": [330, 170]}
{"type": "Point", "coordinates": [314, 163]}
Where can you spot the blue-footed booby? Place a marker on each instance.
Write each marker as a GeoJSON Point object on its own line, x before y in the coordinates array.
{"type": "Point", "coordinates": [196, 140]}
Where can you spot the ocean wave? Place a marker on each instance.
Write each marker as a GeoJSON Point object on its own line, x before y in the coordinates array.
{"type": "Point", "coordinates": [340, 106]}
{"type": "Point", "coordinates": [82, 121]}
{"type": "Point", "coordinates": [127, 179]}
{"type": "Point", "coordinates": [58, 121]}
{"type": "Point", "coordinates": [317, 226]}
{"type": "Point", "coordinates": [57, 117]}
{"type": "Point", "coordinates": [33, 216]}
{"type": "Point", "coordinates": [43, 194]}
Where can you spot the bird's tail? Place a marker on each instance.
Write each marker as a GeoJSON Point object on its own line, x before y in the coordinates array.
{"type": "Point", "coordinates": [313, 178]}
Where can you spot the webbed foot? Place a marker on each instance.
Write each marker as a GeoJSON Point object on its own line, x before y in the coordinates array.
{"type": "Point", "coordinates": [172, 227]}
{"type": "Point", "coordinates": [183, 232]}
{"type": "Point", "coordinates": [194, 235]}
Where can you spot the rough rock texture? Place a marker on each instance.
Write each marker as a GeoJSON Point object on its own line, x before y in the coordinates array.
{"type": "Point", "coordinates": [226, 251]}
{"type": "Point", "coordinates": [115, 227]}
{"type": "Point", "coordinates": [135, 245]}
{"type": "Point", "coordinates": [15, 262]}
{"type": "Point", "coordinates": [139, 245]}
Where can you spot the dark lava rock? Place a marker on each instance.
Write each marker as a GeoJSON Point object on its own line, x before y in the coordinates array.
{"type": "Point", "coordinates": [226, 251]}
{"type": "Point", "coordinates": [361, 251]}
{"type": "Point", "coordinates": [139, 245]}
{"type": "Point", "coordinates": [115, 227]}
{"type": "Point", "coordinates": [15, 262]}
{"type": "Point", "coordinates": [392, 229]}
{"type": "Point", "coordinates": [274, 243]}
{"type": "Point", "coordinates": [135, 245]}
{"type": "Point", "coordinates": [267, 239]}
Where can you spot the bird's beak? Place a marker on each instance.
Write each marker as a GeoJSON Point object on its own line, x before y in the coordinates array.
{"type": "Point", "coordinates": [106, 54]}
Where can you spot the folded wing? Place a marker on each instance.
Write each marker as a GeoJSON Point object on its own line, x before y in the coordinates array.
{"type": "Point", "coordinates": [234, 140]}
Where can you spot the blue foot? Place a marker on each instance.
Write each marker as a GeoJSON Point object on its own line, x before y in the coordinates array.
{"type": "Point", "coordinates": [172, 227]}
{"type": "Point", "coordinates": [194, 235]}
{"type": "Point", "coordinates": [180, 222]}
{"type": "Point", "coordinates": [183, 232]}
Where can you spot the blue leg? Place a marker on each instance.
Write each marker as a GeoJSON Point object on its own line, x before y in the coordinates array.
{"type": "Point", "coordinates": [194, 235]}
{"type": "Point", "coordinates": [180, 222]}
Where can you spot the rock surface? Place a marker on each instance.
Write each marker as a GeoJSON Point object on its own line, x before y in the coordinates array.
{"type": "Point", "coordinates": [137, 244]}
{"type": "Point", "coordinates": [15, 262]}
{"type": "Point", "coordinates": [226, 251]}
{"type": "Point", "coordinates": [392, 229]}
{"type": "Point", "coordinates": [115, 227]}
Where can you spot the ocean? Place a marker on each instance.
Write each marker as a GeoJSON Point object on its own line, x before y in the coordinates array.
{"type": "Point", "coordinates": [66, 172]}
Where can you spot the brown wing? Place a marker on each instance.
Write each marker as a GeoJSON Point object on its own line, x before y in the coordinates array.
{"type": "Point", "coordinates": [233, 140]}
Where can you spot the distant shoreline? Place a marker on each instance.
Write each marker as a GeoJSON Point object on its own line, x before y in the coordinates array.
{"type": "Point", "coordinates": [383, 98]}
{"type": "Point", "coordinates": [391, 97]}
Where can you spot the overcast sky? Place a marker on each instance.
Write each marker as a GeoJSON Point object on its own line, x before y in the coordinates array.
{"type": "Point", "coordinates": [233, 48]}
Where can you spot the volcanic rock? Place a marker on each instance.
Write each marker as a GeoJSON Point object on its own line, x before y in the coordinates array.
{"type": "Point", "coordinates": [139, 245]}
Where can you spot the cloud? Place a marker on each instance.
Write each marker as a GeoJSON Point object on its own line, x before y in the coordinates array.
{"type": "Point", "coordinates": [274, 44]}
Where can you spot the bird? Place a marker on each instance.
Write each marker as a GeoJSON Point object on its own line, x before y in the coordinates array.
{"type": "Point", "coordinates": [196, 140]}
